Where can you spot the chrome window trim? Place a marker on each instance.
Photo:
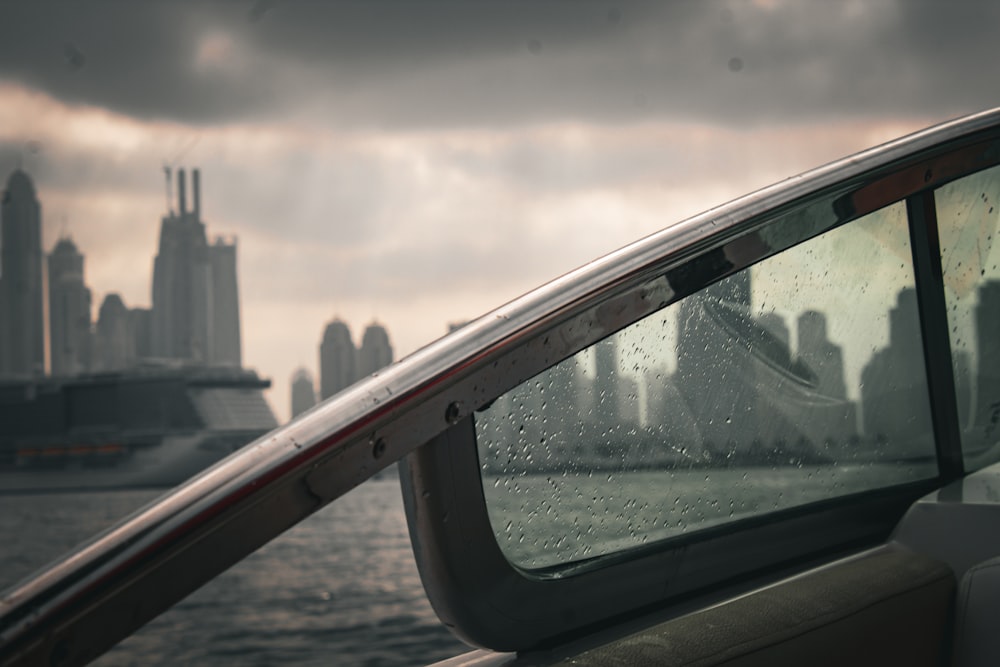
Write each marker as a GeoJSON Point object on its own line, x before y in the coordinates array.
{"type": "Point", "coordinates": [142, 566]}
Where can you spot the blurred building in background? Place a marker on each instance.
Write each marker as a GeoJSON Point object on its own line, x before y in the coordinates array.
{"type": "Point", "coordinates": [338, 359]}
{"type": "Point", "coordinates": [114, 348]}
{"type": "Point", "coordinates": [195, 314]}
{"type": "Point", "coordinates": [375, 352]}
{"type": "Point", "coordinates": [70, 336]}
{"type": "Point", "coordinates": [303, 392]}
{"type": "Point", "coordinates": [342, 364]}
{"type": "Point", "coordinates": [22, 334]}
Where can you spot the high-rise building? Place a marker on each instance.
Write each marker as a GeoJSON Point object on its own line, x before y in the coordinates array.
{"type": "Point", "coordinates": [114, 340]}
{"type": "Point", "coordinates": [894, 401]}
{"type": "Point", "coordinates": [225, 308]}
{"type": "Point", "coordinates": [69, 311]}
{"type": "Point", "coordinates": [195, 295]}
{"type": "Point", "coordinates": [375, 352]}
{"type": "Point", "coordinates": [713, 364]}
{"type": "Point", "coordinates": [141, 321]}
{"type": "Point", "coordinates": [303, 392]}
{"type": "Point", "coordinates": [22, 335]}
{"type": "Point", "coordinates": [823, 358]}
{"type": "Point", "coordinates": [181, 284]}
{"type": "Point", "coordinates": [338, 359]}
{"type": "Point", "coordinates": [834, 418]}
{"type": "Point", "coordinates": [774, 324]}
{"type": "Point", "coordinates": [610, 390]}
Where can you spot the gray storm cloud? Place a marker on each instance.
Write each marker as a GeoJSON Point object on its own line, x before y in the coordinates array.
{"type": "Point", "coordinates": [489, 63]}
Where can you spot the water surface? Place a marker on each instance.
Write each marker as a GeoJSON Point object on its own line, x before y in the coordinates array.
{"type": "Point", "coordinates": [341, 588]}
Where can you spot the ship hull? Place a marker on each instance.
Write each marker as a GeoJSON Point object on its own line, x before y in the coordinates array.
{"type": "Point", "coordinates": [145, 428]}
{"type": "Point", "coordinates": [175, 460]}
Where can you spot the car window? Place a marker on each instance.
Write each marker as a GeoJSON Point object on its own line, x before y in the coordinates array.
{"type": "Point", "coordinates": [968, 220]}
{"type": "Point", "coordinates": [794, 381]}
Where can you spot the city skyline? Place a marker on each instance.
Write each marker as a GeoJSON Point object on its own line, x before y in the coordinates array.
{"type": "Point", "coordinates": [741, 391]}
{"type": "Point", "coordinates": [193, 317]}
{"type": "Point", "coordinates": [116, 332]}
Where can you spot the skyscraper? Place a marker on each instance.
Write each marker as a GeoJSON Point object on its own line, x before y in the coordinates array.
{"type": "Point", "coordinates": [714, 364]}
{"type": "Point", "coordinates": [611, 391]}
{"type": "Point", "coordinates": [823, 357]}
{"type": "Point", "coordinates": [141, 322]}
{"type": "Point", "coordinates": [22, 337]}
{"type": "Point", "coordinates": [894, 400]}
{"type": "Point", "coordinates": [303, 392]}
{"type": "Point", "coordinates": [114, 341]}
{"type": "Point", "coordinates": [195, 296]}
{"type": "Point", "coordinates": [180, 284]}
{"type": "Point", "coordinates": [834, 419]}
{"type": "Point", "coordinates": [225, 310]}
{"type": "Point", "coordinates": [69, 311]}
{"type": "Point", "coordinates": [338, 359]}
{"type": "Point", "coordinates": [775, 324]}
{"type": "Point", "coordinates": [375, 352]}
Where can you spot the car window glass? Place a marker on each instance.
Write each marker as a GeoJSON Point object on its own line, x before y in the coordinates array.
{"type": "Point", "coordinates": [787, 383]}
{"type": "Point", "coordinates": [967, 221]}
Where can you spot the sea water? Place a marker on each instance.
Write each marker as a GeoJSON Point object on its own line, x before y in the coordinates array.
{"type": "Point", "coordinates": [341, 588]}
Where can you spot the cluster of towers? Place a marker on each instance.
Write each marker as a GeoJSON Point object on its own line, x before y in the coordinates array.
{"type": "Point", "coordinates": [741, 392]}
{"type": "Point", "coordinates": [341, 363]}
{"type": "Point", "coordinates": [194, 318]}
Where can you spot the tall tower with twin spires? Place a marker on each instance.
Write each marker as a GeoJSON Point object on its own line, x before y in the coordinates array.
{"type": "Point", "coordinates": [195, 314]}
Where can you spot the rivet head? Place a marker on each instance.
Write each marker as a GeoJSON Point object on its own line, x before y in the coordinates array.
{"type": "Point", "coordinates": [453, 412]}
{"type": "Point", "coordinates": [378, 449]}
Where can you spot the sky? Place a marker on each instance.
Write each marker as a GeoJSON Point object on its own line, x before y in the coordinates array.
{"type": "Point", "coordinates": [420, 163]}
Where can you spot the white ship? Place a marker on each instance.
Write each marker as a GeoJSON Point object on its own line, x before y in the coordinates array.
{"type": "Point", "coordinates": [142, 428]}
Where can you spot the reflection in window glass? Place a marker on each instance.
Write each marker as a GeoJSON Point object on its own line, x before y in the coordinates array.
{"type": "Point", "coordinates": [967, 223]}
{"type": "Point", "coordinates": [797, 380]}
